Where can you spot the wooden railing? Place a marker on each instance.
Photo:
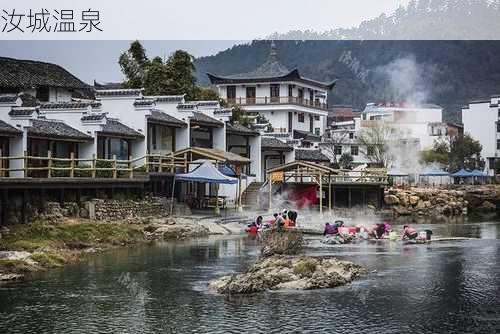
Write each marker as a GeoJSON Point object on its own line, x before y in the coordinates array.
{"type": "Point", "coordinates": [50, 166]}
{"type": "Point", "coordinates": [279, 100]}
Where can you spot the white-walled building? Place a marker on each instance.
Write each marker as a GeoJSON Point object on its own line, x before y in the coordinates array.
{"type": "Point", "coordinates": [295, 107]}
{"type": "Point", "coordinates": [481, 120]}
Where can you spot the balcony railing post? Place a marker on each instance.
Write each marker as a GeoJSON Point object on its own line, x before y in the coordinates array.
{"type": "Point", "coordinates": [93, 167]}
{"type": "Point", "coordinates": [72, 165]}
{"type": "Point", "coordinates": [147, 163]}
{"type": "Point", "coordinates": [160, 164]}
{"type": "Point", "coordinates": [114, 167]}
{"type": "Point", "coordinates": [130, 167]}
{"type": "Point", "coordinates": [1, 164]}
{"type": "Point", "coordinates": [25, 164]}
{"type": "Point", "coordinates": [49, 164]}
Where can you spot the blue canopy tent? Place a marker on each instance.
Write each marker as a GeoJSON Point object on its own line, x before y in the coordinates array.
{"type": "Point", "coordinates": [205, 173]}
{"type": "Point", "coordinates": [434, 172]}
{"type": "Point", "coordinates": [462, 173]}
{"type": "Point", "coordinates": [479, 175]}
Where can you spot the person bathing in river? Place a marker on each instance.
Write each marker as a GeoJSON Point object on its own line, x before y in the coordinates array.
{"type": "Point", "coordinates": [379, 231]}
{"type": "Point", "coordinates": [330, 229]}
{"type": "Point", "coordinates": [409, 233]}
{"type": "Point", "coordinates": [258, 221]}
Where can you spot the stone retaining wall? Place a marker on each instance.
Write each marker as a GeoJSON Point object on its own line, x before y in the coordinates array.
{"type": "Point", "coordinates": [432, 202]}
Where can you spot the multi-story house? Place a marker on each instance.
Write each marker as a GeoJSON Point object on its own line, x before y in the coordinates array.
{"type": "Point", "coordinates": [293, 105]}
{"type": "Point", "coordinates": [481, 119]}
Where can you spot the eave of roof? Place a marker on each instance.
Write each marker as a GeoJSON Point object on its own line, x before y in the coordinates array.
{"type": "Point", "coordinates": [310, 155]}
{"type": "Point", "coordinates": [20, 73]}
{"type": "Point", "coordinates": [204, 120]}
{"type": "Point", "coordinates": [115, 128]}
{"type": "Point", "coordinates": [162, 118]}
{"type": "Point", "coordinates": [238, 129]}
{"type": "Point", "coordinates": [7, 130]}
{"type": "Point", "coordinates": [271, 143]}
{"type": "Point", "coordinates": [293, 75]}
{"type": "Point", "coordinates": [56, 130]}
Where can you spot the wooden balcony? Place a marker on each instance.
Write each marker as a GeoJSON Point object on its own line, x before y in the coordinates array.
{"type": "Point", "coordinates": [282, 100]}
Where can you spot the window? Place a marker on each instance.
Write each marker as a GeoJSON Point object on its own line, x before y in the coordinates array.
{"type": "Point", "coordinates": [370, 150]}
{"type": "Point", "coordinates": [498, 126]}
{"type": "Point", "coordinates": [153, 137]}
{"type": "Point", "coordinates": [231, 92]}
{"type": "Point", "coordinates": [351, 135]}
{"type": "Point", "coordinates": [290, 90]}
{"type": "Point", "coordinates": [43, 94]}
{"type": "Point", "coordinates": [301, 117]}
{"type": "Point", "coordinates": [250, 95]}
{"type": "Point", "coordinates": [354, 150]}
{"type": "Point", "coordinates": [337, 150]}
{"type": "Point", "coordinates": [498, 144]}
{"type": "Point", "coordinates": [498, 113]}
{"type": "Point", "coordinates": [317, 131]}
{"type": "Point", "coordinates": [316, 118]}
{"type": "Point", "coordinates": [274, 92]}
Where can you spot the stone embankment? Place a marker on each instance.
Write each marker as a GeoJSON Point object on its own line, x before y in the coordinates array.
{"type": "Point", "coordinates": [280, 272]}
{"type": "Point", "coordinates": [442, 202]}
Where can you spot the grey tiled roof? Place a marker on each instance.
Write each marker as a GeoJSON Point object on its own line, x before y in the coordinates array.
{"type": "Point", "coordinates": [56, 130]}
{"type": "Point", "coordinates": [96, 104]}
{"type": "Point", "coordinates": [144, 103]}
{"type": "Point", "coordinates": [16, 73]}
{"type": "Point", "coordinates": [271, 143]}
{"type": "Point", "coordinates": [8, 130]}
{"type": "Point", "coordinates": [118, 92]}
{"type": "Point", "coordinates": [158, 116]}
{"type": "Point", "coordinates": [108, 85]}
{"type": "Point", "coordinates": [186, 106]}
{"type": "Point", "coordinates": [205, 104]}
{"type": "Point", "coordinates": [28, 100]}
{"type": "Point", "coordinates": [305, 135]}
{"type": "Point", "coordinates": [22, 111]}
{"type": "Point", "coordinates": [94, 117]}
{"type": "Point", "coordinates": [270, 71]}
{"type": "Point", "coordinates": [114, 128]}
{"type": "Point", "coordinates": [204, 120]}
{"type": "Point", "coordinates": [65, 105]}
{"type": "Point", "coordinates": [167, 98]}
{"type": "Point", "coordinates": [239, 129]}
{"type": "Point", "coordinates": [310, 155]}
{"type": "Point", "coordinates": [8, 98]}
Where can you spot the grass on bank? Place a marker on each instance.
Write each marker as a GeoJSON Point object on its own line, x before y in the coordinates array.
{"type": "Point", "coordinates": [71, 236]}
{"type": "Point", "coordinates": [54, 245]}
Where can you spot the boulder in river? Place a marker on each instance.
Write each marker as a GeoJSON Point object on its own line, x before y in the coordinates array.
{"type": "Point", "coordinates": [287, 272]}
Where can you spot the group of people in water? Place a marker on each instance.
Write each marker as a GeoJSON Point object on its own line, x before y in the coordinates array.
{"type": "Point", "coordinates": [279, 220]}
{"type": "Point", "coordinates": [288, 219]}
{"type": "Point", "coordinates": [377, 231]}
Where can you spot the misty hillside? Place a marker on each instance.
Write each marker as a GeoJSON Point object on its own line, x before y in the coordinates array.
{"type": "Point", "coordinates": [448, 73]}
{"type": "Point", "coordinates": [420, 20]}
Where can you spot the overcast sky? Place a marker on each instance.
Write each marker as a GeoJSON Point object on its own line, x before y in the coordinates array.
{"type": "Point", "coordinates": [201, 27]}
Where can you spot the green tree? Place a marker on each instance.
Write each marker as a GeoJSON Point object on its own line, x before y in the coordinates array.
{"type": "Point", "coordinates": [345, 161]}
{"type": "Point", "coordinates": [133, 63]}
{"type": "Point", "coordinates": [156, 79]}
{"type": "Point", "coordinates": [458, 152]}
{"type": "Point", "coordinates": [181, 70]}
{"type": "Point", "coordinates": [206, 94]}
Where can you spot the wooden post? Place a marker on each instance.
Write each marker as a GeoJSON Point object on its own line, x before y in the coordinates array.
{"type": "Point", "coordinates": [147, 163]}
{"type": "Point", "coordinates": [25, 164]}
{"type": "Point", "coordinates": [160, 161]}
{"type": "Point", "coordinates": [114, 166]}
{"type": "Point", "coordinates": [270, 191]}
{"type": "Point", "coordinates": [1, 164]}
{"type": "Point", "coordinates": [131, 175]}
{"type": "Point", "coordinates": [320, 194]}
{"type": "Point", "coordinates": [93, 167]}
{"type": "Point", "coordinates": [349, 198]}
{"type": "Point", "coordinates": [49, 164]}
{"type": "Point", "coordinates": [330, 195]}
{"type": "Point", "coordinates": [72, 165]}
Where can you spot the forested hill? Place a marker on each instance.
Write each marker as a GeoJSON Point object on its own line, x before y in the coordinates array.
{"type": "Point", "coordinates": [448, 73]}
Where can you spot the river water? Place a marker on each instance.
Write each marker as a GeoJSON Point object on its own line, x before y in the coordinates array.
{"type": "Point", "coordinates": [443, 287]}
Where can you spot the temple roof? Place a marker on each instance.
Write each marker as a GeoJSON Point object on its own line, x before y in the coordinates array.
{"type": "Point", "coordinates": [270, 71]}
